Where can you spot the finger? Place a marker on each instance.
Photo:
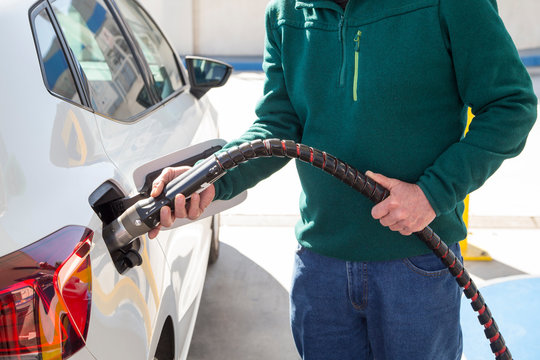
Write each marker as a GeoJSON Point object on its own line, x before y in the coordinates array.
{"type": "Point", "coordinates": [411, 224]}
{"type": "Point", "coordinates": [154, 232]}
{"type": "Point", "coordinates": [385, 208]}
{"type": "Point", "coordinates": [416, 227]}
{"type": "Point", "coordinates": [157, 187]}
{"type": "Point", "coordinates": [388, 221]}
{"type": "Point", "coordinates": [398, 226]}
{"type": "Point", "coordinates": [165, 177]}
{"type": "Point", "coordinates": [382, 180]}
{"type": "Point", "coordinates": [402, 228]}
{"type": "Point", "coordinates": [159, 183]}
{"type": "Point", "coordinates": [207, 196]}
{"type": "Point", "coordinates": [406, 231]}
{"type": "Point", "coordinates": [380, 210]}
{"type": "Point", "coordinates": [194, 211]}
{"type": "Point", "coordinates": [165, 216]}
{"type": "Point", "coordinates": [394, 216]}
{"type": "Point", "coordinates": [180, 206]}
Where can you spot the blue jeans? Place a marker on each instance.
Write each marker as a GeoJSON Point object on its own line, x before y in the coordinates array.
{"type": "Point", "coordinates": [405, 309]}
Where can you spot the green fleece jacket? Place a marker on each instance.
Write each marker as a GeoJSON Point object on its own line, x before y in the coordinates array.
{"type": "Point", "coordinates": [384, 85]}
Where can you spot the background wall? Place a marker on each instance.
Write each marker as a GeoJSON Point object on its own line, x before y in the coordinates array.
{"type": "Point", "coordinates": [229, 27]}
{"type": "Point", "coordinates": [521, 18]}
{"type": "Point", "coordinates": [236, 27]}
{"type": "Point", "coordinates": [211, 27]}
{"type": "Point", "coordinates": [175, 18]}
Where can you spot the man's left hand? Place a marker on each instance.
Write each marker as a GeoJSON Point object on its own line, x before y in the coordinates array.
{"type": "Point", "coordinates": [406, 209]}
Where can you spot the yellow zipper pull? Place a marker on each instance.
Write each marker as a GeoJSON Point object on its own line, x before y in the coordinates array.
{"type": "Point", "coordinates": [356, 50]}
{"type": "Point", "coordinates": [357, 41]}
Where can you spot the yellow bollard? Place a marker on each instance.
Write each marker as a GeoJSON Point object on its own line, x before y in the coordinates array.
{"type": "Point", "coordinates": [471, 252]}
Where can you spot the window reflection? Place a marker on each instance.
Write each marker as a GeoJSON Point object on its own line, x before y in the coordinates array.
{"type": "Point", "coordinates": [57, 74]}
{"type": "Point", "coordinates": [116, 87]}
{"type": "Point", "coordinates": [155, 48]}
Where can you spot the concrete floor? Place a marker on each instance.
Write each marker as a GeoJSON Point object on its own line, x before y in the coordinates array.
{"type": "Point", "coordinates": [244, 311]}
{"type": "Point", "coordinates": [244, 308]}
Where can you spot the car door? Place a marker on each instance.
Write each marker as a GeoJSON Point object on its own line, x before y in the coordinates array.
{"type": "Point", "coordinates": [125, 302]}
{"type": "Point", "coordinates": [145, 115]}
{"type": "Point", "coordinates": [68, 161]}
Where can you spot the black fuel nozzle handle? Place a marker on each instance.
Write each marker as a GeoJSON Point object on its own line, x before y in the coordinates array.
{"type": "Point", "coordinates": [143, 216]}
{"type": "Point", "coordinates": [192, 181]}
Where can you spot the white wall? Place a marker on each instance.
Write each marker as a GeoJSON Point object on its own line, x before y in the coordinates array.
{"type": "Point", "coordinates": [229, 27]}
{"type": "Point", "coordinates": [236, 27]}
{"type": "Point", "coordinates": [522, 19]}
{"type": "Point", "coordinates": [175, 18]}
{"type": "Point", "coordinates": [211, 27]}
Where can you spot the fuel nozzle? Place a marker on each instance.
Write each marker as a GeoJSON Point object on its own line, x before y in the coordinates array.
{"type": "Point", "coordinates": [143, 216]}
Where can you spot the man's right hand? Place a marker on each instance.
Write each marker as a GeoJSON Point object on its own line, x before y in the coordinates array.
{"type": "Point", "coordinates": [192, 210]}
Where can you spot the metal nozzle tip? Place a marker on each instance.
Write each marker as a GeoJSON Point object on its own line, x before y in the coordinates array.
{"type": "Point", "coordinates": [115, 235]}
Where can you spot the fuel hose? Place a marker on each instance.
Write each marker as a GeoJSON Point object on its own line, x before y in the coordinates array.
{"type": "Point", "coordinates": [144, 215]}
{"type": "Point", "coordinates": [376, 193]}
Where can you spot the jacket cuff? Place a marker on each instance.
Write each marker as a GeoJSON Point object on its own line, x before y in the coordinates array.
{"type": "Point", "coordinates": [434, 192]}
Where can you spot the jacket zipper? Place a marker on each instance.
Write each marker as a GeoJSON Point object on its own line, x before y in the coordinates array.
{"type": "Point", "coordinates": [342, 70]}
{"type": "Point", "coordinates": [356, 56]}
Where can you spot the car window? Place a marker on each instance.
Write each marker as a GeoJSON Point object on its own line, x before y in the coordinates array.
{"type": "Point", "coordinates": [159, 55]}
{"type": "Point", "coordinates": [116, 87]}
{"type": "Point", "coordinates": [57, 74]}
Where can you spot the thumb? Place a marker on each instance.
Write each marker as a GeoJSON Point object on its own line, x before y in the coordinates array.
{"type": "Point", "coordinates": [382, 180]}
{"type": "Point", "coordinates": [157, 187]}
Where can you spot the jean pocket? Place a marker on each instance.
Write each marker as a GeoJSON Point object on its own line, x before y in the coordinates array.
{"type": "Point", "coordinates": [429, 264]}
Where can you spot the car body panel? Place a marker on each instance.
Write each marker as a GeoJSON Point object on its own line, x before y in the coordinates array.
{"type": "Point", "coordinates": [54, 154]}
{"type": "Point", "coordinates": [180, 123]}
{"type": "Point", "coordinates": [129, 146]}
{"type": "Point", "coordinates": [82, 354]}
{"type": "Point", "coordinates": [125, 307]}
{"type": "Point", "coordinates": [165, 130]}
{"type": "Point", "coordinates": [140, 173]}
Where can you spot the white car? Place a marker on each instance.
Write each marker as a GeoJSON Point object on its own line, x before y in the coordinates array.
{"type": "Point", "coordinates": [93, 104]}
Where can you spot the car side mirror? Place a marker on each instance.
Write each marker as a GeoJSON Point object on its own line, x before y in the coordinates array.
{"type": "Point", "coordinates": [205, 74]}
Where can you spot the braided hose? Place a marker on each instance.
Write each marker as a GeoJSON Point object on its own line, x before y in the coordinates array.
{"type": "Point", "coordinates": [376, 193]}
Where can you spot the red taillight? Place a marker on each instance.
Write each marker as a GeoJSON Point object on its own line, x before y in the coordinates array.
{"type": "Point", "coordinates": [45, 296]}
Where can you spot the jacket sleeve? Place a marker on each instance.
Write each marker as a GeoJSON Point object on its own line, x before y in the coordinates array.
{"type": "Point", "coordinates": [276, 118]}
{"type": "Point", "coordinates": [491, 80]}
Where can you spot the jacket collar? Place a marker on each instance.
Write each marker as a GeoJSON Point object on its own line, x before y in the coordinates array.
{"type": "Point", "coordinates": [328, 4]}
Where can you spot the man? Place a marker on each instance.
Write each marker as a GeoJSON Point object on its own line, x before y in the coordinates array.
{"type": "Point", "coordinates": [384, 86]}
